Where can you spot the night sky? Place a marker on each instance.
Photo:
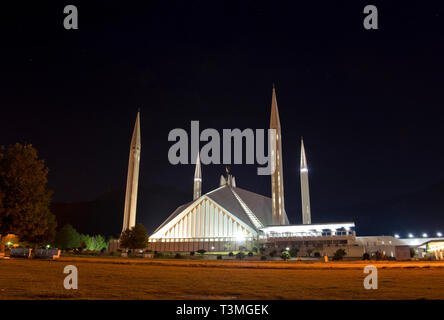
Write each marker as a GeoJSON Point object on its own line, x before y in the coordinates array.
{"type": "Point", "coordinates": [369, 103]}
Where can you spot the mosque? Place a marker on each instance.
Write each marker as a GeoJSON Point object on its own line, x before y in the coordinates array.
{"type": "Point", "coordinates": [229, 217]}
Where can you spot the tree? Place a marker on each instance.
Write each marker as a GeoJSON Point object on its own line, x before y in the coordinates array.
{"type": "Point", "coordinates": [240, 255]}
{"type": "Point", "coordinates": [339, 254]}
{"type": "Point", "coordinates": [67, 238]}
{"type": "Point", "coordinates": [309, 251]}
{"type": "Point", "coordinates": [100, 243]}
{"type": "Point", "coordinates": [87, 242]}
{"type": "Point", "coordinates": [294, 252]}
{"type": "Point", "coordinates": [25, 199]}
{"type": "Point", "coordinates": [285, 255]}
{"type": "Point", "coordinates": [134, 238]}
{"type": "Point", "coordinates": [262, 250]}
{"type": "Point", "coordinates": [125, 240]}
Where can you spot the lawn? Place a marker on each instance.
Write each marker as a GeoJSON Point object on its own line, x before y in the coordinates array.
{"type": "Point", "coordinates": [120, 278]}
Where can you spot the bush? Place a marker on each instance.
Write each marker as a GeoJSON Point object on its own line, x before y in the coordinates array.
{"type": "Point", "coordinates": [250, 254]}
{"type": "Point", "coordinates": [273, 253]}
{"type": "Point", "coordinates": [219, 257]}
{"type": "Point", "coordinates": [263, 257]}
{"type": "Point", "coordinates": [339, 254]}
{"type": "Point", "coordinates": [191, 253]}
{"type": "Point", "coordinates": [177, 256]}
{"type": "Point", "coordinates": [158, 254]}
{"type": "Point", "coordinates": [231, 254]}
{"type": "Point", "coordinates": [317, 254]}
{"type": "Point", "coordinates": [201, 251]}
{"type": "Point", "coordinates": [294, 252]}
{"type": "Point", "coordinates": [366, 256]}
{"type": "Point", "coordinates": [240, 255]}
{"type": "Point", "coordinates": [285, 255]}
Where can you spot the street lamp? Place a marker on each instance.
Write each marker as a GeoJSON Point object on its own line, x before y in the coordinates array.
{"type": "Point", "coordinates": [410, 235]}
{"type": "Point", "coordinates": [397, 236]}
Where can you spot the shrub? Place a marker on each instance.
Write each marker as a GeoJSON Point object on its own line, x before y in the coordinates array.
{"type": "Point", "coordinates": [158, 254]}
{"type": "Point", "coordinates": [294, 252]}
{"type": "Point", "coordinates": [263, 257]}
{"type": "Point", "coordinates": [240, 255]}
{"type": "Point", "coordinates": [255, 249]}
{"type": "Point", "coordinates": [191, 253]}
{"type": "Point", "coordinates": [273, 253]}
{"type": "Point", "coordinates": [339, 254]}
{"type": "Point", "coordinates": [366, 256]}
{"type": "Point", "coordinates": [219, 257]}
{"type": "Point", "coordinates": [231, 254]}
{"type": "Point", "coordinates": [201, 251]}
{"type": "Point", "coordinates": [250, 254]}
{"type": "Point", "coordinates": [317, 254]}
{"type": "Point", "coordinates": [177, 256]}
{"type": "Point", "coordinates": [285, 255]}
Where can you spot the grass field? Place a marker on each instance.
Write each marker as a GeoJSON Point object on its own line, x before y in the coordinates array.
{"type": "Point", "coordinates": [101, 278]}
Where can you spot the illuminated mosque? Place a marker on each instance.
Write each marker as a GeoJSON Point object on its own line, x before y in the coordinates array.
{"type": "Point", "coordinates": [229, 217]}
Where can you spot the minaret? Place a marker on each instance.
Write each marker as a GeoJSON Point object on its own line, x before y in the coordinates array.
{"type": "Point", "coordinates": [279, 216]}
{"type": "Point", "coordinates": [197, 179]}
{"type": "Point", "coordinates": [129, 216]}
{"type": "Point", "coordinates": [306, 213]}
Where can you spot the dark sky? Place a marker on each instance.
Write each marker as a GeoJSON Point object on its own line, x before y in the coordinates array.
{"type": "Point", "coordinates": [368, 103]}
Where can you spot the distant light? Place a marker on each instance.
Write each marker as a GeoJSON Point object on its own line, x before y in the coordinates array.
{"type": "Point", "coordinates": [212, 248]}
{"type": "Point", "coordinates": [397, 236]}
{"type": "Point", "coordinates": [439, 234]}
{"type": "Point", "coordinates": [9, 243]}
{"type": "Point", "coordinates": [287, 248]}
{"type": "Point", "coordinates": [304, 169]}
{"type": "Point", "coordinates": [48, 246]}
{"type": "Point", "coordinates": [410, 235]}
{"type": "Point", "coordinates": [424, 235]}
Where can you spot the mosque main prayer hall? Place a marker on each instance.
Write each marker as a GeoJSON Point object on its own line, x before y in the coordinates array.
{"type": "Point", "coordinates": [229, 217]}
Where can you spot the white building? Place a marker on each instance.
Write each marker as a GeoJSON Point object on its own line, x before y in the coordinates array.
{"type": "Point", "coordinates": [229, 217]}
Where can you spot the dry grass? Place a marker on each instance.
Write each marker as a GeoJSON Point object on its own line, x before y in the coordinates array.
{"type": "Point", "coordinates": [184, 279]}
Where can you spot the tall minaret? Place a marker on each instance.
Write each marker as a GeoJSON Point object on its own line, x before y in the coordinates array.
{"type": "Point", "coordinates": [197, 179]}
{"type": "Point", "coordinates": [279, 216]}
{"type": "Point", "coordinates": [129, 216]}
{"type": "Point", "coordinates": [306, 213]}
